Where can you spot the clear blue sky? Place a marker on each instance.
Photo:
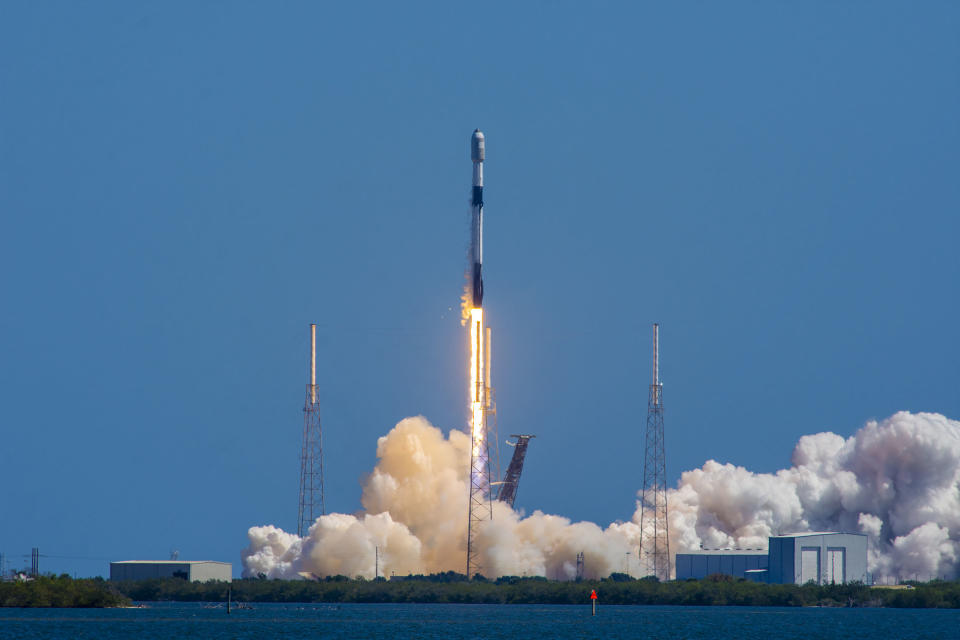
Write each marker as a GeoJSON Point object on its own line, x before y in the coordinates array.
{"type": "Point", "coordinates": [185, 186]}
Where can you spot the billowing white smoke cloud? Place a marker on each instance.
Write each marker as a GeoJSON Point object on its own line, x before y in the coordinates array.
{"type": "Point", "coordinates": [415, 511]}
{"type": "Point", "coordinates": [898, 481]}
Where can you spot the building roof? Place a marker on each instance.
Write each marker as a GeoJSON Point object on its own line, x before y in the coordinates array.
{"type": "Point", "coordinates": [725, 552]}
{"type": "Point", "coordinates": [818, 533]}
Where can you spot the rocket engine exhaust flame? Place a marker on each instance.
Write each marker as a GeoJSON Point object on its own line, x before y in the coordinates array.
{"type": "Point", "coordinates": [480, 508]}
{"type": "Point", "coordinates": [478, 389]}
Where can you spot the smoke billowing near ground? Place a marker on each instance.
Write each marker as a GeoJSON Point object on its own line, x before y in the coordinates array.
{"type": "Point", "coordinates": [897, 480]}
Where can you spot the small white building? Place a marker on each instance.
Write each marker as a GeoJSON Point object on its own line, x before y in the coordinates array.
{"type": "Point", "coordinates": [192, 570]}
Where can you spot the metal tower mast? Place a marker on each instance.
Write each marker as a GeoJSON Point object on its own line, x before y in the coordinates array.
{"type": "Point", "coordinates": [654, 536]}
{"type": "Point", "coordinates": [311, 453]}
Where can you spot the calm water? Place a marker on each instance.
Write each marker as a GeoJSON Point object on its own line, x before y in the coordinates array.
{"type": "Point", "coordinates": [543, 622]}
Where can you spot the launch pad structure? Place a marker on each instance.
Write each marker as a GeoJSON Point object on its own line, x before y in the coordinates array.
{"type": "Point", "coordinates": [654, 534]}
{"type": "Point", "coordinates": [511, 481]}
{"type": "Point", "coordinates": [311, 452]}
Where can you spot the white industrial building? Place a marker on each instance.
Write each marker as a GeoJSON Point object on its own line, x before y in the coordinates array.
{"type": "Point", "coordinates": [822, 557]}
{"type": "Point", "coordinates": [192, 570]}
{"type": "Point", "coordinates": [732, 562]}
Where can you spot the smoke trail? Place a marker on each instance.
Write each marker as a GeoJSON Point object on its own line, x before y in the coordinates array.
{"type": "Point", "coordinates": [897, 480]}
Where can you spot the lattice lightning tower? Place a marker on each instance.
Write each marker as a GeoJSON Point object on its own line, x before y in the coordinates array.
{"type": "Point", "coordinates": [654, 535]}
{"type": "Point", "coordinates": [311, 453]}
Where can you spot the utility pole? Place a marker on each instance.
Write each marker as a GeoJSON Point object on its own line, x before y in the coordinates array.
{"type": "Point", "coordinates": [311, 452]}
{"type": "Point", "coordinates": [654, 535]}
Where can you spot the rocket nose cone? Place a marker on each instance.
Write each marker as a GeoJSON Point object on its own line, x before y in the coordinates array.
{"type": "Point", "coordinates": [477, 150]}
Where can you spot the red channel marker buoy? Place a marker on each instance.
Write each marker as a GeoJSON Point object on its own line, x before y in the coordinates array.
{"type": "Point", "coordinates": [593, 599]}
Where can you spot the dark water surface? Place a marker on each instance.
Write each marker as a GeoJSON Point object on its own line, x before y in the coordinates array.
{"type": "Point", "coordinates": [543, 622]}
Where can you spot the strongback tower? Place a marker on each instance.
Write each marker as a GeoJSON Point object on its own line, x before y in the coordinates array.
{"type": "Point", "coordinates": [654, 536]}
{"type": "Point", "coordinates": [311, 453]}
{"type": "Point", "coordinates": [511, 481]}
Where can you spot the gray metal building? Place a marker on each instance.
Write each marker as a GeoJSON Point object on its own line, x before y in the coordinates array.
{"type": "Point", "coordinates": [733, 562]}
{"type": "Point", "coordinates": [821, 557]}
{"type": "Point", "coordinates": [194, 571]}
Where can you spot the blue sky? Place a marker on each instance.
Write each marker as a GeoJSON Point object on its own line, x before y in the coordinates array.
{"type": "Point", "coordinates": [185, 186]}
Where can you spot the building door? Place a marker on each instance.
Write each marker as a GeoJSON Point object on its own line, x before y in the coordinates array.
{"type": "Point", "coordinates": [809, 565]}
{"type": "Point", "coordinates": [835, 565]}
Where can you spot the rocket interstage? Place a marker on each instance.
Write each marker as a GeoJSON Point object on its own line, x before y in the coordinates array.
{"type": "Point", "coordinates": [477, 153]}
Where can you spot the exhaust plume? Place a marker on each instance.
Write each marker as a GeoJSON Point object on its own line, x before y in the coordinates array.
{"type": "Point", "coordinates": [897, 480]}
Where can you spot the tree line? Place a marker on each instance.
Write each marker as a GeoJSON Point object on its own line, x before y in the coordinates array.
{"type": "Point", "coordinates": [618, 589]}
{"type": "Point", "coordinates": [61, 591]}
{"type": "Point", "coordinates": [451, 587]}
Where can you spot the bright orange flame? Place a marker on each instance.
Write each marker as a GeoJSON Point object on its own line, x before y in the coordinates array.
{"type": "Point", "coordinates": [477, 390]}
